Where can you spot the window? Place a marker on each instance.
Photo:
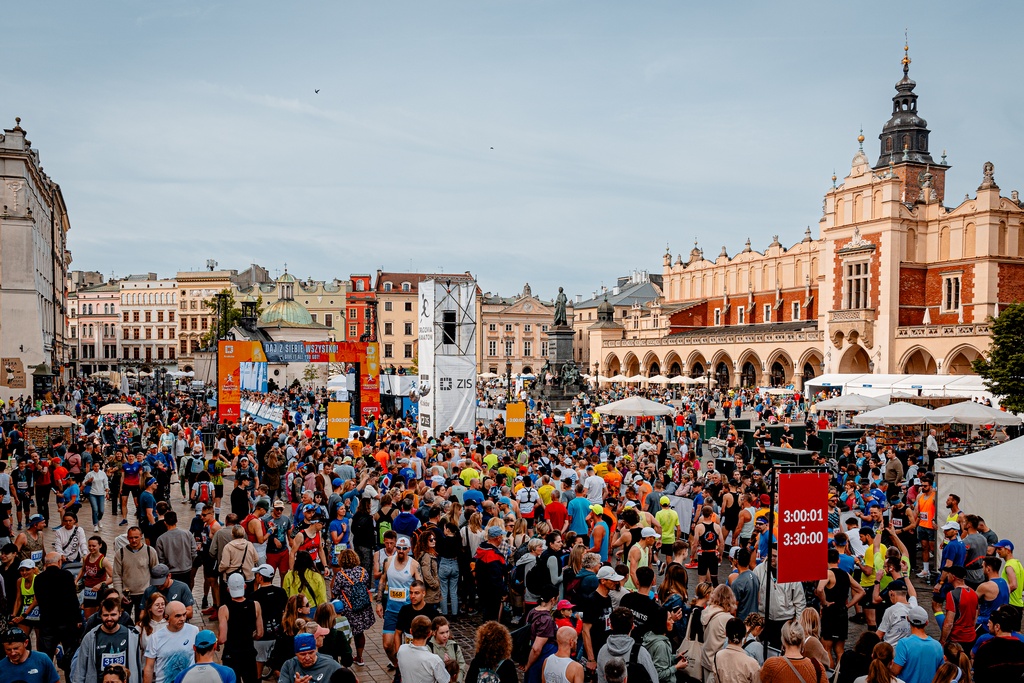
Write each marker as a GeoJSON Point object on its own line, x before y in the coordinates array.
{"type": "Point", "coordinates": [406, 287]}
{"type": "Point", "coordinates": [408, 326]}
{"type": "Point", "coordinates": [170, 352]}
{"type": "Point", "coordinates": [135, 333]}
{"type": "Point", "coordinates": [195, 323]}
{"type": "Point", "coordinates": [205, 323]}
{"type": "Point", "coordinates": [951, 293]}
{"type": "Point", "coordinates": [408, 351]}
{"type": "Point", "coordinates": [135, 353]}
{"type": "Point", "coordinates": [527, 327]}
{"type": "Point", "coordinates": [741, 315]}
{"type": "Point", "coordinates": [387, 287]}
{"type": "Point", "coordinates": [492, 328]}
{"type": "Point", "coordinates": [360, 286]}
{"type": "Point", "coordinates": [509, 347]}
{"type": "Point", "coordinates": [389, 351]}
{"type": "Point", "coordinates": [389, 329]}
{"type": "Point", "coordinates": [192, 305]}
{"type": "Point", "coordinates": [126, 333]}
{"type": "Point", "coordinates": [352, 331]}
{"type": "Point", "coordinates": [313, 316]}
{"type": "Point", "coordinates": [796, 310]}
{"type": "Point", "coordinates": [492, 348]}
{"type": "Point", "coordinates": [126, 354]}
{"type": "Point", "coordinates": [184, 346]}
{"type": "Point", "coordinates": [159, 316]}
{"type": "Point", "coordinates": [856, 285]}
{"type": "Point", "coordinates": [170, 316]}
{"type": "Point", "coordinates": [544, 349]}
{"type": "Point", "coordinates": [329, 319]}
{"type": "Point", "coordinates": [149, 333]}
{"type": "Point", "coordinates": [135, 316]}
{"type": "Point", "coordinates": [527, 348]}
{"type": "Point", "coordinates": [195, 345]}
{"type": "Point", "coordinates": [408, 307]}
{"type": "Point", "coordinates": [160, 353]}
{"type": "Point", "coordinates": [388, 305]}
{"type": "Point", "coordinates": [508, 327]}
{"type": "Point", "coordinates": [718, 317]}
{"type": "Point", "coordinates": [544, 328]}
{"type": "Point", "coordinates": [160, 333]}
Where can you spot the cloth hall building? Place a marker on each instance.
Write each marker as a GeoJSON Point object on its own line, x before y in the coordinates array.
{"type": "Point", "coordinates": [901, 279]}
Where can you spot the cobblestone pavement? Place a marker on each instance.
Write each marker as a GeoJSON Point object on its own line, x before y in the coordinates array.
{"type": "Point", "coordinates": [463, 627]}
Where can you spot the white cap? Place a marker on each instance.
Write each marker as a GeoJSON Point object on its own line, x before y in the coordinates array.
{"type": "Point", "coordinates": [608, 574]}
{"type": "Point", "coordinates": [951, 525]}
{"type": "Point", "coordinates": [648, 532]}
{"type": "Point", "coordinates": [236, 585]}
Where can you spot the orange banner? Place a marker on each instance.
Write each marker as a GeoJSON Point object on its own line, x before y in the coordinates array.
{"type": "Point", "coordinates": [338, 419]}
{"type": "Point", "coordinates": [515, 420]}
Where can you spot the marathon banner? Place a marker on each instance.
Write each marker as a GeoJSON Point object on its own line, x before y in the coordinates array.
{"type": "Point", "coordinates": [515, 420]}
{"type": "Point", "coordinates": [230, 356]}
{"type": "Point", "coordinates": [338, 420]}
{"type": "Point", "coordinates": [802, 517]}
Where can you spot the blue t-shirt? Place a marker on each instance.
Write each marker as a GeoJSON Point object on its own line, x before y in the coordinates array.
{"type": "Point", "coordinates": [72, 492]}
{"type": "Point", "coordinates": [919, 657]}
{"type": "Point", "coordinates": [474, 494]}
{"type": "Point", "coordinates": [38, 668]}
{"type": "Point", "coordinates": [985, 637]}
{"type": "Point", "coordinates": [147, 501]}
{"type": "Point", "coordinates": [955, 551]}
{"type": "Point", "coordinates": [847, 563]}
{"type": "Point", "coordinates": [578, 509]}
{"type": "Point", "coordinates": [204, 673]}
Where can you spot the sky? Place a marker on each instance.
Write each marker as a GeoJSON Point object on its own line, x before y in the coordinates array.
{"type": "Point", "coordinates": [551, 142]}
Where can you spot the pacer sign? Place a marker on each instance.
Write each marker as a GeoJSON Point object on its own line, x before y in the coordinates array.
{"type": "Point", "coordinates": [803, 527]}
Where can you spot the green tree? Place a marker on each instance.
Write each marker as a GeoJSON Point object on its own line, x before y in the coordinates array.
{"type": "Point", "coordinates": [1003, 369]}
{"type": "Point", "coordinates": [233, 317]}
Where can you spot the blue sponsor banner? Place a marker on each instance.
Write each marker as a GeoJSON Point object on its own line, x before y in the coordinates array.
{"type": "Point", "coordinates": [285, 352]}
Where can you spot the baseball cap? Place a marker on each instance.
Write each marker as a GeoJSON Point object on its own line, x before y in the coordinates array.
{"type": "Point", "coordinates": [648, 532]}
{"type": "Point", "coordinates": [304, 642]}
{"type": "Point", "coordinates": [158, 574]}
{"type": "Point", "coordinates": [597, 509]}
{"type": "Point", "coordinates": [15, 635]}
{"type": "Point", "coordinates": [205, 638]}
{"type": "Point", "coordinates": [897, 585]}
{"type": "Point", "coordinates": [917, 616]}
{"type": "Point", "coordinates": [955, 526]}
{"type": "Point", "coordinates": [27, 564]}
{"type": "Point", "coordinates": [279, 504]}
{"type": "Point", "coordinates": [608, 574]}
{"type": "Point", "coordinates": [1005, 543]}
{"type": "Point", "coordinates": [200, 507]}
{"type": "Point", "coordinates": [265, 570]}
{"type": "Point", "coordinates": [403, 542]}
{"type": "Point", "coordinates": [336, 482]}
{"type": "Point", "coordinates": [262, 503]}
{"type": "Point", "coordinates": [733, 552]}
{"type": "Point", "coordinates": [35, 519]}
{"type": "Point", "coordinates": [765, 499]}
{"type": "Point", "coordinates": [494, 531]}
{"type": "Point", "coordinates": [236, 585]}
{"type": "Point", "coordinates": [564, 604]}
{"type": "Point", "coordinates": [664, 500]}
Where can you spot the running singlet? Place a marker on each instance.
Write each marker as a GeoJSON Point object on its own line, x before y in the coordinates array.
{"type": "Point", "coordinates": [95, 574]}
{"type": "Point", "coordinates": [311, 546]}
{"type": "Point", "coordinates": [399, 581]}
{"type": "Point", "coordinates": [131, 473]}
{"type": "Point", "coordinates": [555, 668]}
{"type": "Point", "coordinates": [709, 539]}
{"type": "Point", "coordinates": [1018, 571]}
{"type": "Point", "coordinates": [604, 540]}
{"type": "Point", "coordinates": [926, 511]}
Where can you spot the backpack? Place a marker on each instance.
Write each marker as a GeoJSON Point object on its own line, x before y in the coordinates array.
{"type": "Point", "coordinates": [211, 466]}
{"type": "Point", "coordinates": [636, 672]}
{"type": "Point", "coordinates": [520, 552]}
{"type": "Point", "coordinates": [204, 492]}
{"type": "Point", "coordinates": [486, 675]}
{"type": "Point", "coordinates": [537, 578]}
{"type": "Point", "coordinates": [197, 466]}
{"type": "Point", "coordinates": [518, 582]}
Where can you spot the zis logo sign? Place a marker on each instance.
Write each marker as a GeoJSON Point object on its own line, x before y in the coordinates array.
{"type": "Point", "coordinates": [446, 384]}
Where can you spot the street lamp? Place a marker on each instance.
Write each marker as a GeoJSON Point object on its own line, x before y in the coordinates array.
{"type": "Point", "coordinates": [508, 369]}
{"type": "Point", "coordinates": [708, 373]}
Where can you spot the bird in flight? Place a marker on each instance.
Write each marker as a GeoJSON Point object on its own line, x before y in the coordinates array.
{"type": "Point", "coordinates": [316, 91]}
{"type": "Point", "coordinates": [492, 148]}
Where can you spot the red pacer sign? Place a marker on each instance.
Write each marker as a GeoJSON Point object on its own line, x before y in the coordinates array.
{"type": "Point", "coordinates": [803, 527]}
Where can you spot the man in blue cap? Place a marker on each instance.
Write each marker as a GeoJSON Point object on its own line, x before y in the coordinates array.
{"type": "Point", "coordinates": [307, 662]}
{"type": "Point", "coordinates": [205, 670]}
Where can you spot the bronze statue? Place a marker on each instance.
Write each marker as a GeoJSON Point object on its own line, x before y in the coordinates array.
{"type": "Point", "coordinates": [560, 302]}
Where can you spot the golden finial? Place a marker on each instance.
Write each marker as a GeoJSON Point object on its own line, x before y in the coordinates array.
{"type": "Point", "coordinates": [906, 52]}
{"type": "Point", "coordinates": [860, 138]}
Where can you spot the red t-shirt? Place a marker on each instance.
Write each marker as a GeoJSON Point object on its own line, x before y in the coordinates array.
{"type": "Point", "coordinates": [962, 603]}
{"type": "Point", "coordinates": [555, 513]}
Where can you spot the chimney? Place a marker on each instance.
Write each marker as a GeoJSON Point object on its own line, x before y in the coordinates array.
{"type": "Point", "coordinates": [579, 298]}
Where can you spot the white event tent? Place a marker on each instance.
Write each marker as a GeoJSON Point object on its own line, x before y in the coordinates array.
{"type": "Point", "coordinates": [971, 386]}
{"type": "Point", "coordinates": [990, 482]}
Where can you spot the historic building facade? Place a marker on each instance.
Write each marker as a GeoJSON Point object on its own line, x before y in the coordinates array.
{"type": "Point", "coordinates": [149, 322]}
{"type": "Point", "coordinates": [896, 282]}
{"type": "Point", "coordinates": [94, 328]}
{"type": "Point", "coordinates": [513, 330]}
{"type": "Point", "coordinates": [34, 260]}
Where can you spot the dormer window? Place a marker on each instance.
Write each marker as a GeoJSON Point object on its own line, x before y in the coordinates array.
{"type": "Point", "coordinates": [406, 287]}
{"type": "Point", "coordinates": [387, 286]}
{"type": "Point", "coordinates": [360, 286]}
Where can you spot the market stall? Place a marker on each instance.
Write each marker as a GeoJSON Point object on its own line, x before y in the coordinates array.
{"type": "Point", "coordinates": [43, 430]}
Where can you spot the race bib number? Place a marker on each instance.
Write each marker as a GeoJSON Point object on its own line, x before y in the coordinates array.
{"type": "Point", "coordinates": [89, 594]}
{"type": "Point", "coordinates": [924, 516]}
{"type": "Point", "coordinates": [22, 485]}
{"type": "Point", "coordinates": [36, 556]}
{"type": "Point", "coordinates": [34, 614]}
{"type": "Point", "coordinates": [397, 594]}
{"type": "Point", "coordinates": [112, 658]}
{"type": "Point", "coordinates": [897, 524]}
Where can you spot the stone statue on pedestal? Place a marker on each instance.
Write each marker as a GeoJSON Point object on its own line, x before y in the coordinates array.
{"type": "Point", "coordinates": [560, 302]}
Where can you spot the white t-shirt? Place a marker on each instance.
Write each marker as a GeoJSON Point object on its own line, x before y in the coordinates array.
{"type": "Point", "coordinates": [595, 489]}
{"type": "Point", "coordinates": [894, 624]}
{"type": "Point", "coordinates": [98, 482]}
{"type": "Point", "coordinates": [172, 651]}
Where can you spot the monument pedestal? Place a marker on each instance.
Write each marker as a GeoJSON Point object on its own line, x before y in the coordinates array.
{"type": "Point", "coordinates": [566, 382]}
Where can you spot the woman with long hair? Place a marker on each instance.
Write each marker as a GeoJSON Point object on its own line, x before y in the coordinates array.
{"type": "Point", "coordinates": [656, 641]}
{"type": "Point", "coordinates": [520, 533]}
{"type": "Point", "coordinates": [948, 673]}
{"type": "Point", "coordinates": [425, 553]}
{"type": "Point", "coordinates": [153, 618]}
{"type": "Point", "coordinates": [449, 550]}
{"type": "Point", "coordinates": [493, 652]}
{"type": "Point", "coordinates": [573, 564]}
{"type": "Point", "coordinates": [878, 670]}
{"type": "Point", "coordinates": [810, 621]}
{"type": "Point", "coordinates": [721, 608]}
{"type": "Point", "coordinates": [675, 583]}
{"type": "Point", "coordinates": [97, 570]}
{"type": "Point", "coordinates": [542, 632]}
{"type": "Point", "coordinates": [335, 644]}
{"type": "Point", "coordinates": [304, 579]}
{"type": "Point", "coordinates": [955, 655]}
{"type": "Point", "coordinates": [296, 613]}
{"type": "Point", "coordinates": [351, 587]}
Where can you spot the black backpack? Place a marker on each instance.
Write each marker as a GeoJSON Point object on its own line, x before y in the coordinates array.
{"type": "Point", "coordinates": [636, 672]}
{"type": "Point", "coordinates": [538, 577]}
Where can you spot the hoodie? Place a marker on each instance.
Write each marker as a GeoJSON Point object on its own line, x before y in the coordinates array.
{"type": "Point", "coordinates": [788, 599]}
{"type": "Point", "coordinates": [620, 646]}
{"type": "Point", "coordinates": [84, 669]}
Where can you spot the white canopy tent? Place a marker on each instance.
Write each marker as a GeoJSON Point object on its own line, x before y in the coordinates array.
{"type": "Point", "coordinates": [899, 414]}
{"type": "Point", "coordinates": [882, 385]}
{"type": "Point", "coordinates": [988, 482]}
{"type": "Point", "coordinates": [635, 406]}
{"type": "Point", "coordinates": [971, 413]}
{"type": "Point", "coordinates": [850, 402]}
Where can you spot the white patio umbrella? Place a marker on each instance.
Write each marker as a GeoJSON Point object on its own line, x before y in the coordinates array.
{"type": "Point", "coordinates": [635, 406]}
{"type": "Point", "coordinates": [678, 379]}
{"type": "Point", "coordinates": [602, 378]}
{"type": "Point", "coordinates": [51, 421]}
{"type": "Point", "coordinates": [637, 378]}
{"type": "Point", "coordinates": [117, 409]}
{"type": "Point", "coordinates": [488, 375]}
{"type": "Point", "coordinates": [618, 378]}
{"type": "Point", "coordinates": [899, 414]}
{"type": "Point", "coordinates": [851, 402]}
{"type": "Point", "coordinates": [971, 413]}
{"type": "Point", "coordinates": [659, 379]}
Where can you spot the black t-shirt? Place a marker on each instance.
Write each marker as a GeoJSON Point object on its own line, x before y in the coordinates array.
{"type": "Point", "coordinates": [272, 601]}
{"type": "Point", "coordinates": [408, 613]}
{"type": "Point", "coordinates": [644, 610]}
{"type": "Point", "coordinates": [596, 613]}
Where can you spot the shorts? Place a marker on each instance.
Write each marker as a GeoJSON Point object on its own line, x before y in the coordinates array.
{"type": "Point", "coordinates": [707, 563]}
{"type": "Point", "coordinates": [279, 561]}
{"type": "Point", "coordinates": [924, 534]}
{"type": "Point", "coordinates": [866, 600]}
{"type": "Point", "coordinates": [666, 548]}
{"type": "Point", "coordinates": [263, 650]}
{"type": "Point", "coordinates": [390, 622]}
{"type": "Point", "coordinates": [218, 491]}
{"type": "Point", "coordinates": [835, 623]}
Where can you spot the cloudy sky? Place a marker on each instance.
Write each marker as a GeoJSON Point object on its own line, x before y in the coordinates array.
{"type": "Point", "coordinates": [560, 143]}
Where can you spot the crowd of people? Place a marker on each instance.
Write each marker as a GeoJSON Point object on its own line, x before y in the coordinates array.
{"type": "Point", "coordinates": [595, 548]}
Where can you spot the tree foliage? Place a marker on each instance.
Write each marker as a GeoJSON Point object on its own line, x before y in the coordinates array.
{"type": "Point", "coordinates": [233, 317]}
{"type": "Point", "coordinates": [1003, 369]}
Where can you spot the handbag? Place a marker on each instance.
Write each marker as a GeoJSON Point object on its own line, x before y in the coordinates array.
{"type": "Point", "coordinates": [691, 649]}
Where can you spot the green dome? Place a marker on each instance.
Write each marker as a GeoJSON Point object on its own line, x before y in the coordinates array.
{"type": "Point", "coordinates": [286, 311]}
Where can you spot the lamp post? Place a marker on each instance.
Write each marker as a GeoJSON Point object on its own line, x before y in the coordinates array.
{"type": "Point", "coordinates": [508, 369]}
{"type": "Point", "coordinates": [708, 373]}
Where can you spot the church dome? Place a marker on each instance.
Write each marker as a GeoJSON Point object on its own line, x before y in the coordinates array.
{"type": "Point", "coordinates": [286, 311]}
{"type": "Point", "coordinates": [605, 311]}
